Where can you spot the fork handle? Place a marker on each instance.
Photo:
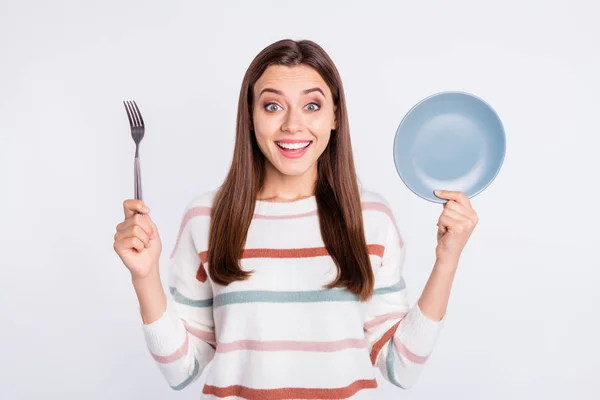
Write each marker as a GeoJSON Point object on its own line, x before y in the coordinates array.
{"type": "Point", "coordinates": [137, 176]}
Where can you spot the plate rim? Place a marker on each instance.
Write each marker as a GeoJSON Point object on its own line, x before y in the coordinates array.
{"type": "Point", "coordinates": [434, 198]}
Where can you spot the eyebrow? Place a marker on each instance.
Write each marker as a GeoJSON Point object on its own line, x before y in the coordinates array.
{"type": "Point", "coordinates": [279, 92]}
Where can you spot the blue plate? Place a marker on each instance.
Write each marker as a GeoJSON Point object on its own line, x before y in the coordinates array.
{"type": "Point", "coordinates": [449, 141]}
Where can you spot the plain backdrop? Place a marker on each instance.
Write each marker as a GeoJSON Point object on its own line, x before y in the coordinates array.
{"type": "Point", "coordinates": [522, 322]}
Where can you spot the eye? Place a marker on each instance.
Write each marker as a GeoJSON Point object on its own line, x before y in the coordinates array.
{"type": "Point", "coordinates": [271, 107]}
{"type": "Point", "coordinates": [313, 107]}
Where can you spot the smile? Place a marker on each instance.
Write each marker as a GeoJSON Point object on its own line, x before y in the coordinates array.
{"type": "Point", "coordinates": [293, 145]}
{"type": "Point", "coordinates": [294, 149]}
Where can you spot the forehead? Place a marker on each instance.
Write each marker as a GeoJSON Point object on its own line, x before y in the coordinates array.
{"type": "Point", "coordinates": [291, 80]}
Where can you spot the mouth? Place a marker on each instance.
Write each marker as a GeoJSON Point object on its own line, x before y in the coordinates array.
{"type": "Point", "coordinates": [294, 149]}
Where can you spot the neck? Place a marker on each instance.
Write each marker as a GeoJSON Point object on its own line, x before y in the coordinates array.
{"type": "Point", "coordinates": [280, 187]}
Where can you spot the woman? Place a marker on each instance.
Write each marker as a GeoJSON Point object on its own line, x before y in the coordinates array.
{"type": "Point", "coordinates": [289, 276]}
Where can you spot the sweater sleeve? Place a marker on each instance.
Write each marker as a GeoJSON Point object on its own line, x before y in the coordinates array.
{"type": "Point", "coordinates": [400, 336]}
{"type": "Point", "coordinates": [182, 341]}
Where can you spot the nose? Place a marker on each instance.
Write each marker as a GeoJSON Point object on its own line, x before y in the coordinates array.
{"type": "Point", "coordinates": [294, 122]}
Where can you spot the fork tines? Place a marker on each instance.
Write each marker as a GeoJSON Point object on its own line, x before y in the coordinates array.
{"type": "Point", "coordinates": [134, 115]}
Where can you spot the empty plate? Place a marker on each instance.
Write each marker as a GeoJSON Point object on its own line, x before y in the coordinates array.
{"type": "Point", "coordinates": [449, 141]}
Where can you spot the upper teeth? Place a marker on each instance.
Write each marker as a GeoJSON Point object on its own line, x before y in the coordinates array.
{"type": "Point", "coordinates": [293, 146]}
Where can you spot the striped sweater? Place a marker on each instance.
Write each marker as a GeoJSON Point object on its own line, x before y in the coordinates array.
{"type": "Point", "coordinates": [281, 334]}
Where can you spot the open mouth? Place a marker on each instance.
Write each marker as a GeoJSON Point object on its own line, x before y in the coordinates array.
{"type": "Point", "coordinates": [293, 149]}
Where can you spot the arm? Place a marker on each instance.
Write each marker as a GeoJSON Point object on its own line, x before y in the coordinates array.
{"type": "Point", "coordinates": [402, 336]}
{"type": "Point", "coordinates": [151, 297]}
{"type": "Point", "coordinates": [455, 226]}
{"type": "Point", "coordinates": [434, 299]}
{"type": "Point", "coordinates": [179, 331]}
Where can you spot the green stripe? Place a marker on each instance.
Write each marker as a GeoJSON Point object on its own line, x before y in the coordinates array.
{"type": "Point", "coordinates": [401, 285]}
{"type": "Point", "coordinates": [181, 299]}
{"type": "Point", "coordinates": [267, 296]}
{"type": "Point", "coordinates": [190, 378]}
{"type": "Point", "coordinates": [389, 362]}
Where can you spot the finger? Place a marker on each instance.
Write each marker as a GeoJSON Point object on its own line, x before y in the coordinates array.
{"type": "Point", "coordinates": [140, 220]}
{"type": "Point", "coordinates": [458, 222]}
{"type": "Point", "coordinates": [459, 197]}
{"type": "Point", "coordinates": [135, 243]}
{"type": "Point", "coordinates": [465, 210]}
{"type": "Point", "coordinates": [459, 208]}
{"type": "Point", "coordinates": [447, 223]}
{"type": "Point", "coordinates": [128, 244]}
{"type": "Point", "coordinates": [130, 207]}
{"type": "Point", "coordinates": [455, 215]}
{"type": "Point", "coordinates": [134, 231]}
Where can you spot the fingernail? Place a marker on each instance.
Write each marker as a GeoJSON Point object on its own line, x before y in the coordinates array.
{"type": "Point", "coordinates": [146, 209]}
{"type": "Point", "coordinates": [437, 192]}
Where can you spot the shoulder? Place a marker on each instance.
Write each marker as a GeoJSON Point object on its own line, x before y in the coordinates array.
{"type": "Point", "coordinates": [197, 210]}
{"type": "Point", "coordinates": [370, 196]}
{"type": "Point", "coordinates": [378, 214]}
{"type": "Point", "coordinates": [202, 200]}
{"type": "Point", "coordinates": [375, 202]}
{"type": "Point", "coordinates": [195, 222]}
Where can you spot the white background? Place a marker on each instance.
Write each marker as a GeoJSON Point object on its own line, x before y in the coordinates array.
{"type": "Point", "coordinates": [522, 322]}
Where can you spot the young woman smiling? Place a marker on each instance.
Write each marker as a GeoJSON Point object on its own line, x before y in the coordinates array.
{"type": "Point", "coordinates": [288, 277]}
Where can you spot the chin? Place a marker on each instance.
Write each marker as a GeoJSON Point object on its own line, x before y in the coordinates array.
{"type": "Point", "coordinates": [293, 170]}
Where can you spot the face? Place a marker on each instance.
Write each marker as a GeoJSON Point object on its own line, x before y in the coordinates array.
{"type": "Point", "coordinates": [293, 115]}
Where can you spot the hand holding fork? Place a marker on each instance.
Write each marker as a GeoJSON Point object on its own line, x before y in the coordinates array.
{"type": "Point", "coordinates": [136, 240]}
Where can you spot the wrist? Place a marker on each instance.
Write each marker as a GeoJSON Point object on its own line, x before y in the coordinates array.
{"type": "Point", "coordinates": [145, 286]}
{"type": "Point", "coordinates": [151, 296]}
{"type": "Point", "coordinates": [150, 278]}
{"type": "Point", "coordinates": [446, 264]}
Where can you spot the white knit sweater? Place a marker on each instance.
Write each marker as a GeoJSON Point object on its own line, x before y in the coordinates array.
{"type": "Point", "coordinates": [280, 334]}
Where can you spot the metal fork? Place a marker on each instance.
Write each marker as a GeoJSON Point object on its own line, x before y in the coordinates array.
{"type": "Point", "coordinates": [137, 133]}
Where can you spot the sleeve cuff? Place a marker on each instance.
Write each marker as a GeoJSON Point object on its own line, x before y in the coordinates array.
{"type": "Point", "coordinates": [418, 332]}
{"type": "Point", "coordinates": [166, 334]}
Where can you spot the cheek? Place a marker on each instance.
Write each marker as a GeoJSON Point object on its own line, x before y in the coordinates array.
{"type": "Point", "coordinates": [323, 141]}
{"type": "Point", "coordinates": [321, 125]}
{"type": "Point", "coordinates": [259, 129]}
{"type": "Point", "coordinates": [264, 128]}
{"type": "Point", "coordinates": [261, 139]}
{"type": "Point", "coordinates": [321, 128]}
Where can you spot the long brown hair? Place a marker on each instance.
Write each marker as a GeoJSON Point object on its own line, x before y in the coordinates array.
{"type": "Point", "coordinates": [336, 188]}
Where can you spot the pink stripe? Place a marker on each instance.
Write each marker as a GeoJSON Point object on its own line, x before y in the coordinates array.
{"type": "Point", "coordinates": [402, 349]}
{"type": "Point", "coordinates": [303, 215]}
{"type": "Point", "coordinates": [193, 212]}
{"type": "Point", "coordinates": [206, 211]}
{"type": "Point", "coordinates": [291, 345]}
{"type": "Point", "coordinates": [383, 318]}
{"type": "Point", "coordinates": [182, 351]}
{"type": "Point", "coordinates": [208, 337]}
{"type": "Point", "coordinates": [384, 209]}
